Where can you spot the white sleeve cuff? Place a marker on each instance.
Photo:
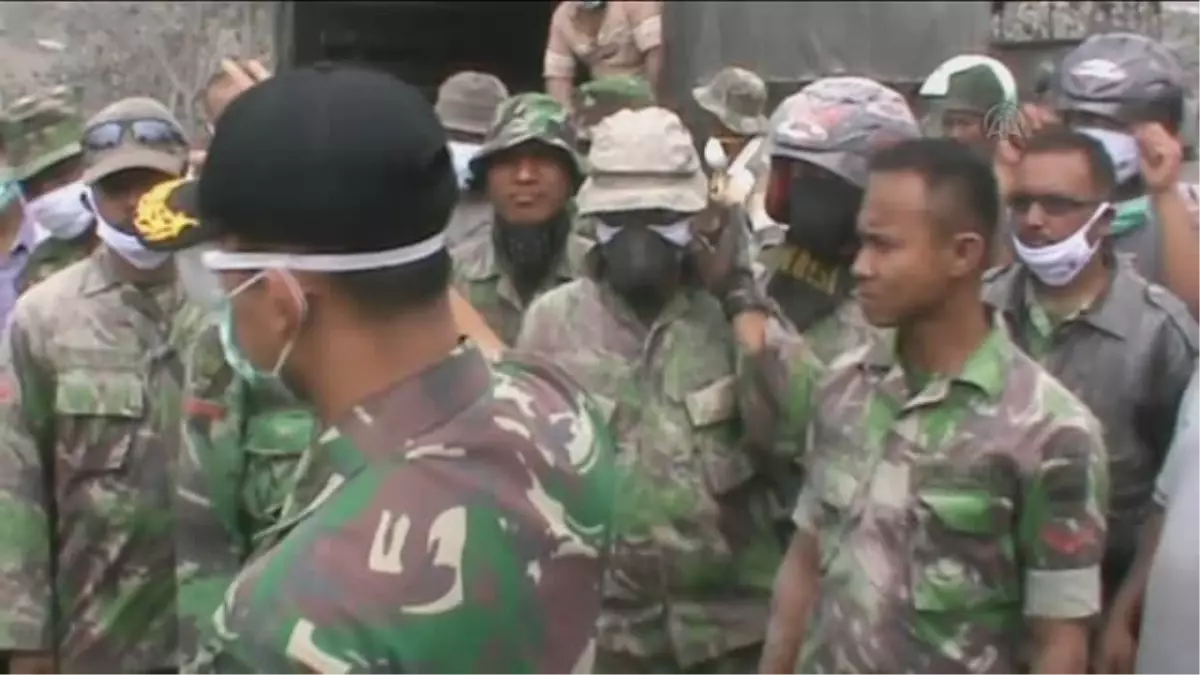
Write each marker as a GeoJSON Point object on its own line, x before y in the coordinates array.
{"type": "Point", "coordinates": [1063, 594]}
{"type": "Point", "coordinates": [558, 65]}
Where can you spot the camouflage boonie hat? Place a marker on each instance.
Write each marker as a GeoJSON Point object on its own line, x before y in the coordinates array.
{"type": "Point", "coordinates": [1108, 72]}
{"type": "Point", "coordinates": [467, 101]}
{"type": "Point", "coordinates": [736, 97]}
{"type": "Point", "coordinates": [837, 123]}
{"type": "Point", "coordinates": [524, 118]}
{"type": "Point", "coordinates": [641, 160]}
{"type": "Point", "coordinates": [599, 98]}
{"type": "Point", "coordinates": [41, 131]}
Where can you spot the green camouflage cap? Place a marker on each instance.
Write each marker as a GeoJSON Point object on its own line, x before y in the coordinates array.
{"type": "Point", "coordinates": [42, 130]}
{"type": "Point", "coordinates": [524, 118]}
{"type": "Point", "coordinates": [976, 89]}
{"type": "Point", "coordinates": [599, 98]}
{"type": "Point", "coordinates": [736, 97]}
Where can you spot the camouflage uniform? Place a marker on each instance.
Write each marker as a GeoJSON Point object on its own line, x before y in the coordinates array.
{"type": "Point", "coordinates": [89, 398]}
{"type": "Point", "coordinates": [480, 273]}
{"type": "Point", "coordinates": [834, 123]}
{"type": "Point", "coordinates": [457, 522]}
{"type": "Point", "coordinates": [697, 547]}
{"type": "Point", "coordinates": [947, 515]}
{"type": "Point", "coordinates": [40, 132]}
{"type": "Point", "coordinates": [241, 445]}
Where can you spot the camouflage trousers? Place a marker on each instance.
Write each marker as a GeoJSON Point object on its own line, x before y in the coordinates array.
{"type": "Point", "coordinates": [744, 660]}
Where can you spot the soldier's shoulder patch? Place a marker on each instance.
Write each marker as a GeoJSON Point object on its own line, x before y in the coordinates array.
{"type": "Point", "coordinates": [8, 389]}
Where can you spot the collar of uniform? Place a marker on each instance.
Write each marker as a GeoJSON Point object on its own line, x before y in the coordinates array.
{"type": "Point", "coordinates": [102, 272]}
{"type": "Point", "coordinates": [482, 264]}
{"type": "Point", "coordinates": [390, 423]}
{"type": "Point", "coordinates": [1109, 312]}
{"type": "Point", "coordinates": [984, 370]}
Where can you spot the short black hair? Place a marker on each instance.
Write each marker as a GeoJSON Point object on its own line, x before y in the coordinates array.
{"type": "Point", "coordinates": [364, 169]}
{"type": "Point", "coordinates": [1062, 139]}
{"type": "Point", "coordinates": [950, 167]}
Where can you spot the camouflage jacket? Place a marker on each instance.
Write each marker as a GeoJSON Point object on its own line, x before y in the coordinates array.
{"type": "Point", "coordinates": [457, 522]}
{"type": "Point", "coordinates": [480, 276]}
{"type": "Point", "coordinates": [948, 514]}
{"type": "Point", "coordinates": [697, 546]}
{"type": "Point", "coordinates": [89, 402]}
{"type": "Point", "coordinates": [52, 255]}
{"type": "Point", "coordinates": [240, 451]}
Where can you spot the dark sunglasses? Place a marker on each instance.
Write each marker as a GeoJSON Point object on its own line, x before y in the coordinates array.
{"type": "Point", "coordinates": [1053, 205]}
{"type": "Point", "coordinates": [108, 135]}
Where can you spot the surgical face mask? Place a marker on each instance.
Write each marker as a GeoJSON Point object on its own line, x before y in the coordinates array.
{"type": "Point", "coordinates": [1122, 149]}
{"type": "Point", "coordinates": [462, 154]}
{"type": "Point", "coordinates": [216, 261]}
{"type": "Point", "coordinates": [1058, 264]}
{"type": "Point", "coordinates": [126, 245]}
{"type": "Point", "coordinates": [62, 212]}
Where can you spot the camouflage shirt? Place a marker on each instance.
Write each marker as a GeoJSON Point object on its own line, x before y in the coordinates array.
{"type": "Point", "coordinates": [481, 277]}
{"type": "Point", "coordinates": [89, 403]}
{"type": "Point", "coordinates": [241, 446]}
{"type": "Point", "coordinates": [457, 522]}
{"type": "Point", "coordinates": [697, 548]}
{"type": "Point", "coordinates": [948, 514]}
{"type": "Point", "coordinates": [1128, 356]}
{"type": "Point", "coordinates": [52, 255]}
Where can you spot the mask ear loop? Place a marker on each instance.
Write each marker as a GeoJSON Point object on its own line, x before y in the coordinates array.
{"type": "Point", "coordinates": [302, 304]}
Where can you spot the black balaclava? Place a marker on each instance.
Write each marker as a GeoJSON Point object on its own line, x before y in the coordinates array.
{"type": "Point", "coordinates": [530, 252]}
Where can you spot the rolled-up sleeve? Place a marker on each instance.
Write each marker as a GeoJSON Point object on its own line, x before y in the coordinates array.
{"type": "Point", "coordinates": [1062, 525]}
{"type": "Point", "coordinates": [646, 19]}
{"type": "Point", "coordinates": [26, 413]}
{"type": "Point", "coordinates": [558, 60]}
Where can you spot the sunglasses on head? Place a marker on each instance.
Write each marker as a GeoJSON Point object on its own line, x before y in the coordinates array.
{"type": "Point", "coordinates": [108, 135]}
{"type": "Point", "coordinates": [1052, 204]}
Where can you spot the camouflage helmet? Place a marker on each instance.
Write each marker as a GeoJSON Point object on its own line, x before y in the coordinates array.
{"type": "Point", "coordinates": [736, 97]}
{"type": "Point", "coordinates": [42, 130]}
{"type": "Point", "coordinates": [599, 98]}
{"type": "Point", "coordinates": [1107, 73]}
{"type": "Point", "coordinates": [467, 101]}
{"type": "Point", "coordinates": [528, 118]}
{"type": "Point", "coordinates": [837, 123]}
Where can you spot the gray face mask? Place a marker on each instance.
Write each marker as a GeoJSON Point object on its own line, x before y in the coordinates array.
{"type": "Point", "coordinates": [200, 284]}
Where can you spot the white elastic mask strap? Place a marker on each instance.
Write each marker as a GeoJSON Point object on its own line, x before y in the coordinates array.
{"type": "Point", "coordinates": [223, 261]}
{"type": "Point", "coordinates": [297, 295]}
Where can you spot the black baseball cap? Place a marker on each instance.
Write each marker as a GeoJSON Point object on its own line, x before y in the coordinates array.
{"type": "Point", "coordinates": [328, 159]}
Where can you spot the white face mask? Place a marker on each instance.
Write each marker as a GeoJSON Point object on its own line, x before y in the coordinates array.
{"type": "Point", "coordinates": [1057, 264]}
{"type": "Point", "coordinates": [126, 245]}
{"type": "Point", "coordinates": [1122, 149]}
{"type": "Point", "coordinates": [61, 212]}
{"type": "Point", "coordinates": [462, 154]}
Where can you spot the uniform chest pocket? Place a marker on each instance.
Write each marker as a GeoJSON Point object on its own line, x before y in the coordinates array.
{"type": "Point", "coordinates": [98, 414]}
{"type": "Point", "coordinates": [712, 411]}
{"type": "Point", "coordinates": [964, 555]}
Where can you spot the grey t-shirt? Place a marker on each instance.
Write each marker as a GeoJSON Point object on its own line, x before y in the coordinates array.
{"type": "Point", "coordinates": [1170, 615]}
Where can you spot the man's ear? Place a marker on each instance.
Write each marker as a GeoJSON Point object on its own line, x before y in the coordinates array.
{"type": "Point", "coordinates": [969, 254]}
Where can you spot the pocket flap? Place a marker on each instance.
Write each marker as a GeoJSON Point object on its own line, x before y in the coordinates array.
{"type": "Point", "coordinates": [99, 393]}
{"type": "Point", "coordinates": [964, 509]}
{"type": "Point", "coordinates": [713, 404]}
{"type": "Point", "coordinates": [280, 432]}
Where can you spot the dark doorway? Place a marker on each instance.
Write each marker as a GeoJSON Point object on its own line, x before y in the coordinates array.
{"type": "Point", "coordinates": [425, 42]}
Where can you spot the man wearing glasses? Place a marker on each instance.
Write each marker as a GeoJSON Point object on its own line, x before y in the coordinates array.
{"type": "Point", "coordinates": [1124, 346]}
{"type": "Point", "coordinates": [89, 391]}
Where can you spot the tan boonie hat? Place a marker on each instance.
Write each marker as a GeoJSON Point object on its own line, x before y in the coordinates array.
{"type": "Point", "coordinates": [641, 160]}
{"type": "Point", "coordinates": [42, 130]}
{"type": "Point", "coordinates": [737, 97]}
{"type": "Point", "coordinates": [133, 133]}
{"type": "Point", "coordinates": [467, 101]}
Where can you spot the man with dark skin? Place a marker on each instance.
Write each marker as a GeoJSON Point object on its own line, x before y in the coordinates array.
{"type": "Point", "coordinates": [530, 170]}
{"type": "Point", "coordinates": [954, 503]}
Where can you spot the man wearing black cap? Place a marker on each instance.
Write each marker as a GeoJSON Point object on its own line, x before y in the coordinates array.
{"type": "Point", "coordinates": [445, 496]}
{"type": "Point", "coordinates": [88, 408]}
